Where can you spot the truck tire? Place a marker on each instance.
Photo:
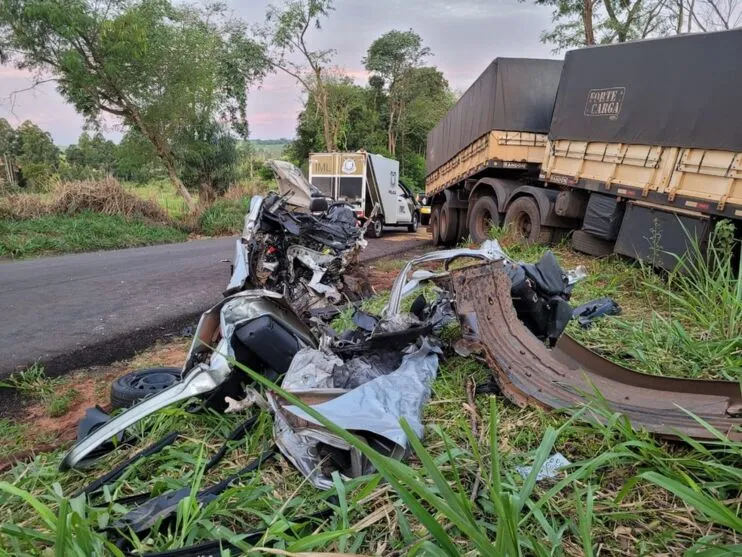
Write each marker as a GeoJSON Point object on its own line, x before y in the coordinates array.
{"type": "Point", "coordinates": [133, 387]}
{"type": "Point", "coordinates": [435, 225]}
{"type": "Point", "coordinates": [449, 224]}
{"type": "Point", "coordinates": [415, 222]}
{"type": "Point", "coordinates": [376, 228]}
{"type": "Point", "coordinates": [589, 244]}
{"type": "Point", "coordinates": [483, 216]}
{"type": "Point", "coordinates": [524, 221]}
{"type": "Point", "coordinates": [463, 232]}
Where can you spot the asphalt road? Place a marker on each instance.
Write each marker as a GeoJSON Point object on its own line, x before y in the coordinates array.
{"type": "Point", "coordinates": [72, 311]}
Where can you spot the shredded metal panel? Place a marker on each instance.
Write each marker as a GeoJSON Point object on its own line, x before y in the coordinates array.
{"type": "Point", "coordinates": [567, 376]}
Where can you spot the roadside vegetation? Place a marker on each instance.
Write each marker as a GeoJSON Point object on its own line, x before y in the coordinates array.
{"type": "Point", "coordinates": [624, 493]}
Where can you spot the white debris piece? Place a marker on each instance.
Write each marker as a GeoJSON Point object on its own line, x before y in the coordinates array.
{"type": "Point", "coordinates": [550, 469]}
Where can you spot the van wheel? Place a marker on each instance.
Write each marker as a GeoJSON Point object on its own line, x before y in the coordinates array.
{"type": "Point", "coordinates": [589, 244]}
{"type": "Point", "coordinates": [523, 220]}
{"type": "Point", "coordinates": [415, 221]}
{"type": "Point", "coordinates": [449, 224]}
{"type": "Point", "coordinates": [435, 225]}
{"type": "Point", "coordinates": [376, 228]}
{"type": "Point", "coordinates": [484, 215]}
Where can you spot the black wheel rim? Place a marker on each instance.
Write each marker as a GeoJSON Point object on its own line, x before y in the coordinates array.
{"type": "Point", "coordinates": [483, 224]}
{"type": "Point", "coordinates": [523, 225]}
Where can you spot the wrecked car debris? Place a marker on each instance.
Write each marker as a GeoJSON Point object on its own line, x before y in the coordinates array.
{"type": "Point", "coordinates": [256, 328]}
{"type": "Point", "coordinates": [549, 469]}
{"type": "Point", "coordinates": [589, 311]}
{"type": "Point", "coordinates": [569, 375]}
{"type": "Point", "coordinates": [301, 255]}
{"type": "Point", "coordinates": [372, 410]}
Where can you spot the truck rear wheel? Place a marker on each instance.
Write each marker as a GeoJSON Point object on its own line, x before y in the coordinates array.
{"type": "Point", "coordinates": [435, 225]}
{"type": "Point", "coordinates": [376, 228]}
{"type": "Point", "coordinates": [589, 244]}
{"type": "Point", "coordinates": [523, 219]}
{"type": "Point", "coordinates": [484, 215]}
{"type": "Point", "coordinates": [449, 224]}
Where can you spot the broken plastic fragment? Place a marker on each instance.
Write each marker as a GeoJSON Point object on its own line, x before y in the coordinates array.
{"type": "Point", "coordinates": [550, 468]}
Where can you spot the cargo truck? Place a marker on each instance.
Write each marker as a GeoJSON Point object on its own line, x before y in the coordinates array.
{"type": "Point", "coordinates": [365, 180]}
{"type": "Point", "coordinates": [643, 150]}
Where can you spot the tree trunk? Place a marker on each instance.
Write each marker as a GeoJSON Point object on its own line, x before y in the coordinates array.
{"type": "Point", "coordinates": [163, 151]}
{"type": "Point", "coordinates": [173, 175]}
{"type": "Point", "coordinates": [322, 99]}
{"type": "Point", "coordinates": [587, 21]}
{"type": "Point", "coordinates": [391, 144]}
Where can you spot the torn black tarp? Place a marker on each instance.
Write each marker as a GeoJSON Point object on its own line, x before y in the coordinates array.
{"type": "Point", "coordinates": [589, 311]}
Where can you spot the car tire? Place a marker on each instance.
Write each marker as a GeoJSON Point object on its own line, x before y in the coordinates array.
{"type": "Point", "coordinates": [425, 219]}
{"type": "Point", "coordinates": [449, 225]}
{"type": "Point", "coordinates": [589, 244]}
{"type": "Point", "coordinates": [523, 220]}
{"type": "Point", "coordinates": [376, 228]}
{"type": "Point", "coordinates": [435, 225]}
{"type": "Point", "coordinates": [415, 223]}
{"type": "Point", "coordinates": [484, 215]}
{"type": "Point", "coordinates": [134, 387]}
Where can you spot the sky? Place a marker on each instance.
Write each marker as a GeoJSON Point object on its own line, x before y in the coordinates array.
{"type": "Point", "coordinates": [464, 36]}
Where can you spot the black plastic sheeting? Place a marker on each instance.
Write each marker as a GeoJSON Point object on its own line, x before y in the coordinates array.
{"type": "Point", "coordinates": [603, 216]}
{"type": "Point", "coordinates": [680, 92]}
{"type": "Point", "coordinates": [512, 94]}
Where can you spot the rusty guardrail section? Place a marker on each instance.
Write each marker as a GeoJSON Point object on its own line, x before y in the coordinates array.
{"type": "Point", "coordinates": [566, 376]}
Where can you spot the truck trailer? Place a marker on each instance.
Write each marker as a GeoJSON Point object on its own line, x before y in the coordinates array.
{"type": "Point", "coordinates": [643, 150]}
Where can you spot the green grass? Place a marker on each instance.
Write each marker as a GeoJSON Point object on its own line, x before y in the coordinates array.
{"type": "Point", "coordinates": [87, 231]}
{"type": "Point", "coordinates": [163, 192]}
{"type": "Point", "coordinates": [56, 393]}
{"type": "Point", "coordinates": [224, 216]}
{"type": "Point", "coordinates": [458, 491]}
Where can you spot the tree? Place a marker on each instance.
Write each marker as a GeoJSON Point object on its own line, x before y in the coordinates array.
{"type": "Point", "coordinates": [285, 34]}
{"type": "Point", "coordinates": [36, 155]}
{"type": "Point", "coordinates": [136, 159]}
{"type": "Point", "coordinates": [8, 144]}
{"type": "Point", "coordinates": [587, 22]}
{"type": "Point", "coordinates": [207, 157]}
{"type": "Point", "coordinates": [390, 57]}
{"type": "Point", "coordinates": [157, 66]}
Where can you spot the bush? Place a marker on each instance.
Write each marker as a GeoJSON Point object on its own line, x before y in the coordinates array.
{"type": "Point", "coordinates": [224, 216]}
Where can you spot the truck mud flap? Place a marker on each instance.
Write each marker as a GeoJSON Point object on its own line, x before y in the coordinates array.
{"type": "Point", "coordinates": [569, 375]}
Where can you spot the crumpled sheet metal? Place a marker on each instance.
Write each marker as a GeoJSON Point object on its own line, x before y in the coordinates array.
{"type": "Point", "coordinates": [570, 374]}
{"type": "Point", "coordinates": [489, 250]}
{"type": "Point", "coordinates": [372, 409]}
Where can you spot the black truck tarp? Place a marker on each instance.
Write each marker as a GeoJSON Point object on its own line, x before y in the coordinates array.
{"type": "Point", "coordinates": [677, 92]}
{"type": "Point", "coordinates": [512, 94]}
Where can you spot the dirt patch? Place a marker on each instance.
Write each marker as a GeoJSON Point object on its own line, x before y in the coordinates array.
{"type": "Point", "coordinates": [93, 388]}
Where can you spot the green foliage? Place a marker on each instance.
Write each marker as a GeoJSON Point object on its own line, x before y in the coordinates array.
{"type": "Point", "coordinates": [136, 159]}
{"type": "Point", "coordinates": [156, 65]}
{"type": "Point", "coordinates": [207, 157]}
{"type": "Point", "coordinates": [390, 116]}
{"type": "Point", "coordinates": [86, 231]}
{"type": "Point", "coordinates": [224, 216]}
{"type": "Point", "coordinates": [92, 157]}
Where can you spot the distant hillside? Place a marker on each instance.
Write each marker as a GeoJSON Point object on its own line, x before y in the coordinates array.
{"type": "Point", "coordinates": [269, 148]}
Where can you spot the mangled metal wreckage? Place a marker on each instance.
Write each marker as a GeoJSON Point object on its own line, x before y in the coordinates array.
{"type": "Point", "coordinates": [370, 377]}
